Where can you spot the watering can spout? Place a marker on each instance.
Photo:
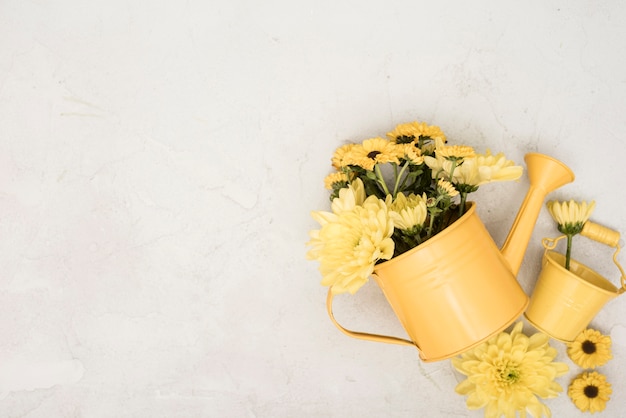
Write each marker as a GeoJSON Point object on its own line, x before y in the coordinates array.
{"type": "Point", "coordinates": [545, 174]}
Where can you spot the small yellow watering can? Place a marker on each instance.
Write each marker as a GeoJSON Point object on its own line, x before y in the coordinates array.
{"type": "Point", "coordinates": [457, 289]}
{"type": "Point", "coordinates": [565, 301]}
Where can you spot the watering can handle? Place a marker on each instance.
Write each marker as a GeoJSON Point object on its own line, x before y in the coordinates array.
{"type": "Point", "coordinates": [363, 335]}
{"type": "Point", "coordinates": [609, 237]}
{"type": "Point", "coordinates": [601, 234]}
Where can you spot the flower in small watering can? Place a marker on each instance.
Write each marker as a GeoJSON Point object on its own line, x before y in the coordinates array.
{"type": "Point", "coordinates": [570, 217]}
{"type": "Point", "coordinates": [389, 195]}
{"type": "Point", "coordinates": [507, 374]}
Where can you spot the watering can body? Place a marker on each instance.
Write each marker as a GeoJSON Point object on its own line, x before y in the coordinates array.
{"type": "Point", "coordinates": [454, 291]}
{"type": "Point", "coordinates": [458, 289]}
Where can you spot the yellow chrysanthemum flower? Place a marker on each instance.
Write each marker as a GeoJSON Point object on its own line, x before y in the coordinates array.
{"type": "Point", "coordinates": [440, 167]}
{"type": "Point", "coordinates": [571, 216]}
{"type": "Point", "coordinates": [349, 197]}
{"type": "Point", "coordinates": [590, 349]}
{"type": "Point", "coordinates": [508, 373]}
{"type": "Point", "coordinates": [338, 158]}
{"type": "Point", "coordinates": [428, 148]}
{"type": "Point", "coordinates": [371, 152]}
{"type": "Point", "coordinates": [334, 178]}
{"type": "Point", "coordinates": [485, 169]}
{"type": "Point", "coordinates": [590, 392]}
{"type": "Point", "coordinates": [410, 153]}
{"type": "Point", "coordinates": [349, 244]}
{"type": "Point", "coordinates": [454, 152]}
{"type": "Point", "coordinates": [407, 213]}
{"type": "Point", "coordinates": [412, 131]}
{"type": "Point", "coordinates": [446, 187]}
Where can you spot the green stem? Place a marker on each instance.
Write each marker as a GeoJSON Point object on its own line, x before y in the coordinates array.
{"type": "Point", "coordinates": [452, 169]}
{"type": "Point", "coordinates": [403, 184]}
{"type": "Point", "coordinates": [398, 176]}
{"type": "Point", "coordinates": [568, 253]}
{"type": "Point", "coordinates": [430, 226]}
{"type": "Point", "coordinates": [462, 204]}
{"type": "Point", "coordinates": [433, 215]}
{"type": "Point", "coordinates": [381, 180]}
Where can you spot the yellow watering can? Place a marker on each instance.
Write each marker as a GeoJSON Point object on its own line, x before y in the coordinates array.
{"type": "Point", "coordinates": [565, 301]}
{"type": "Point", "coordinates": [457, 289]}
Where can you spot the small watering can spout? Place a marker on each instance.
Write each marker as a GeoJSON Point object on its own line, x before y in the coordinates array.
{"type": "Point", "coordinates": [545, 174]}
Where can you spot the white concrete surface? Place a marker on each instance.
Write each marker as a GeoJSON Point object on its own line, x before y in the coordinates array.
{"type": "Point", "coordinates": [159, 160]}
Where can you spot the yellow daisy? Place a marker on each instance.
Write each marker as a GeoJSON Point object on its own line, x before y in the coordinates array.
{"type": "Point", "coordinates": [412, 131]}
{"type": "Point", "coordinates": [338, 157]}
{"type": "Point", "coordinates": [335, 178]}
{"type": "Point", "coordinates": [508, 373]}
{"type": "Point", "coordinates": [590, 391]}
{"type": "Point", "coordinates": [571, 216]}
{"type": "Point", "coordinates": [590, 349]}
{"type": "Point", "coordinates": [454, 152]}
{"type": "Point", "coordinates": [411, 153]}
{"type": "Point", "coordinates": [445, 187]}
{"type": "Point", "coordinates": [371, 152]}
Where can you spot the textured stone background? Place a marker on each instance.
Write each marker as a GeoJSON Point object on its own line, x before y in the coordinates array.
{"type": "Point", "coordinates": [159, 160]}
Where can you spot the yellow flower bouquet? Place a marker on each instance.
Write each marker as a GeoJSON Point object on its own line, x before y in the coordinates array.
{"type": "Point", "coordinates": [389, 195]}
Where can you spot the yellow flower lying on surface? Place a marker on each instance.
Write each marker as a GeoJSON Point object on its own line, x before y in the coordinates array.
{"type": "Point", "coordinates": [508, 373]}
{"type": "Point", "coordinates": [590, 391]}
{"type": "Point", "coordinates": [590, 349]}
{"type": "Point", "coordinates": [351, 240]}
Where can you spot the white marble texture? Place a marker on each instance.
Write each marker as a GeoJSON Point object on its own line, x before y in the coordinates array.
{"type": "Point", "coordinates": [159, 160]}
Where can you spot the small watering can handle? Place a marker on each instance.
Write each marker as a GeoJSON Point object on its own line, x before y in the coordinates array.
{"type": "Point", "coordinates": [607, 236]}
{"type": "Point", "coordinates": [601, 234]}
{"type": "Point", "coordinates": [363, 335]}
